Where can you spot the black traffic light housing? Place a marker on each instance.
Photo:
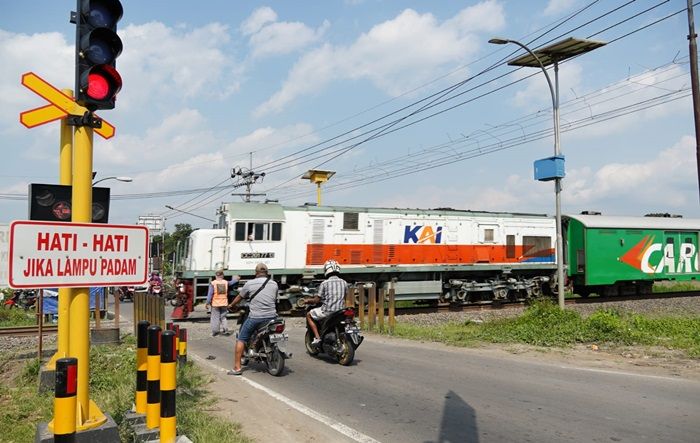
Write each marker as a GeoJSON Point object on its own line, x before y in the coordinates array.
{"type": "Point", "coordinates": [97, 47]}
{"type": "Point", "coordinates": [54, 203]}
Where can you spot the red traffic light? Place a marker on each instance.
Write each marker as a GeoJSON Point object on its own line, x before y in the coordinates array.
{"type": "Point", "coordinates": [102, 83]}
{"type": "Point", "coordinates": [97, 48]}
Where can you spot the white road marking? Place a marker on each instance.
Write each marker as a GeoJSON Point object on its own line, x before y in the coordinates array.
{"type": "Point", "coordinates": [336, 425]}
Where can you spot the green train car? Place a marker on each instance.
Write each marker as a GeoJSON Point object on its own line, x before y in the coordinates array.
{"type": "Point", "coordinates": [626, 255]}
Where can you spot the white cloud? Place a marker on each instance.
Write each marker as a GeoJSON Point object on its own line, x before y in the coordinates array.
{"type": "Point", "coordinates": [641, 88]}
{"type": "Point", "coordinates": [259, 18]}
{"type": "Point", "coordinates": [537, 92]}
{"type": "Point", "coordinates": [652, 184]}
{"type": "Point", "coordinates": [556, 7]}
{"type": "Point", "coordinates": [397, 55]}
{"type": "Point", "coordinates": [159, 64]}
{"type": "Point", "coordinates": [48, 55]}
{"type": "Point", "coordinates": [284, 38]}
{"type": "Point", "coordinates": [165, 62]}
{"type": "Point", "coordinates": [269, 37]}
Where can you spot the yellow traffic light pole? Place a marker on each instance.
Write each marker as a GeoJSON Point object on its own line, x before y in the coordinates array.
{"type": "Point", "coordinates": [65, 177]}
{"type": "Point", "coordinates": [89, 415]}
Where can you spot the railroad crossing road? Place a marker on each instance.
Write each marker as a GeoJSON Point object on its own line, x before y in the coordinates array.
{"type": "Point", "coordinates": [403, 391]}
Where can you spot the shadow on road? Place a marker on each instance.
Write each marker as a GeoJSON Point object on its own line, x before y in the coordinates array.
{"type": "Point", "coordinates": [458, 422]}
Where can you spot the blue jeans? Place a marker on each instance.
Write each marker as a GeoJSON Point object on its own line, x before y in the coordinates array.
{"type": "Point", "coordinates": [249, 326]}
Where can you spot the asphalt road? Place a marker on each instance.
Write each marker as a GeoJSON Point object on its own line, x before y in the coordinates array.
{"type": "Point", "coordinates": [403, 391]}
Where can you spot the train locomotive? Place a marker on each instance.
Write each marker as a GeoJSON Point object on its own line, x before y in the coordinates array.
{"type": "Point", "coordinates": [438, 255]}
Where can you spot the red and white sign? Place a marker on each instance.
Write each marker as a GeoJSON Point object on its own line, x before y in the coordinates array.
{"type": "Point", "coordinates": [76, 255]}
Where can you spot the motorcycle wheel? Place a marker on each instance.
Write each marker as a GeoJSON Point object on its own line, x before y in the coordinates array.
{"type": "Point", "coordinates": [347, 352]}
{"type": "Point", "coordinates": [308, 338]}
{"type": "Point", "coordinates": [275, 362]}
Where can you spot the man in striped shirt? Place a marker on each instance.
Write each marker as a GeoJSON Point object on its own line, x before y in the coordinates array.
{"type": "Point", "coordinates": [331, 292]}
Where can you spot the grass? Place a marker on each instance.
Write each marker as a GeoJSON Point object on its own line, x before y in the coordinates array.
{"type": "Point", "coordinates": [112, 383]}
{"type": "Point", "coordinates": [544, 324]}
{"type": "Point", "coordinates": [675, 286]}
{"type": "Point", "coordinates": [16, 317]}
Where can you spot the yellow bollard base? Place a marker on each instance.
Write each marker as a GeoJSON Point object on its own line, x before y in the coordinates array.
{"type": "Point", "coordinates": [107, 431]}
{"type": "Point", "coordinates": [95, 418]}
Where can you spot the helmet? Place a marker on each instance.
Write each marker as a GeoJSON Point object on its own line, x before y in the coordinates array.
{"type": "Point", "coordinates": [330, 267]}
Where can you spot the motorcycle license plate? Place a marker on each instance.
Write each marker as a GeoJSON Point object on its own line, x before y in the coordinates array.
{"type": "Point", "coordinates": [276, 338]}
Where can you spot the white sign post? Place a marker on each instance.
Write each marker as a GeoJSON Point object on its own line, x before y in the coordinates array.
{"type": "Point", "coordinates": [76, 255]}
{"type": "Point", "coordinates": [4, 254]}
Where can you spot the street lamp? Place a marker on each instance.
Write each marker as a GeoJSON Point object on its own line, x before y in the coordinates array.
{"type": "Point", "coordinates": [121, 179]}
{"type": "Point", "coordinates": [552, 55]}
{"type": "Point", "coordinates": [189, 213]}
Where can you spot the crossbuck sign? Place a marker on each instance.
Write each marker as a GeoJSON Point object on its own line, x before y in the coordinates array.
{"type": "Point", "coordinates": [53, 254]}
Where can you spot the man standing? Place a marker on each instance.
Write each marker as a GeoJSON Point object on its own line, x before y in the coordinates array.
{"type": "Point", "coordinates": [261, 292]}
{"type": "Point", "coordinates": [217, 301]}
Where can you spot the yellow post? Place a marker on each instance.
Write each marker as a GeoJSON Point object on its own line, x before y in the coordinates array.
{"type": "Point", "coordinates": [392, 309]}
{"type": "Point", "coordinates": [372, 308]}
{"type": "Point", "coordinates": [65, 177]}
{"type": "Point", "coordinates": [89, 415]}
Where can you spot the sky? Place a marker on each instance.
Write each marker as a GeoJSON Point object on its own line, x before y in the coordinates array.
{"type": "Point", "coordinates": [406, 101]}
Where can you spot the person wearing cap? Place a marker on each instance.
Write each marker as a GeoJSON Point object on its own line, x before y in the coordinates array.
{"type": "Point", "coordinates": [217, 302]}
{"type": "Point", "coordinates": [262, 294]}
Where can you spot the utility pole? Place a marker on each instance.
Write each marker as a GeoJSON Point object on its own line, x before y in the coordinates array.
{"type": "Point", "coordinates": [247, 178]}
{"type": "Point", "coordinates": [693, 49]}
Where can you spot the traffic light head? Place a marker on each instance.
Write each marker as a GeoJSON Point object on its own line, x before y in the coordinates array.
{"type": "Point", "coordinates": [97, 47]}
{"type": "Point", "coordinates": [54, 203]}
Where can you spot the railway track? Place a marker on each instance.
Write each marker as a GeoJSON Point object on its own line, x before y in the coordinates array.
{"type": "Point", "coordinates": [488, 306]}
{"type": "Point", "coordinates": [28, 330]}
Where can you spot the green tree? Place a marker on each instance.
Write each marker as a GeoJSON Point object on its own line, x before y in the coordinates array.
{"type": "Point", "coordinates": [169, 243]}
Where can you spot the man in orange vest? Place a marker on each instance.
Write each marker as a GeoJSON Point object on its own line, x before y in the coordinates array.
{"type": "Point", "coordinates": [217, 300]}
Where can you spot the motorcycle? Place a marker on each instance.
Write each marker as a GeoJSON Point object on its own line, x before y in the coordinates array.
{"type": "Point", "coordinates": [340, 336]}
{"type": "Point", "coordinates": [266, 344]}
{"type": "Point", "coordinates": [126, 293]}
{"type": "Point", "coordinates": [21, 299]}
{"type": "Point", "coordinates": [155, 289]}
{"type": "Point", "coordinates": [178, 296]}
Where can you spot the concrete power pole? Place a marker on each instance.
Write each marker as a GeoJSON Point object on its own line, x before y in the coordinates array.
{"type": "Point", "coordinates": [693, 49]}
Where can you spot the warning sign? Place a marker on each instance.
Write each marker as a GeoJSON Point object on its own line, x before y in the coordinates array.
{"type": "Point", "coordinates": [48, 255]}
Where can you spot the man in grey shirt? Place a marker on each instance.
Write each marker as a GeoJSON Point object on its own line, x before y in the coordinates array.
{"type": "Point", "coordinates": [263, 291]}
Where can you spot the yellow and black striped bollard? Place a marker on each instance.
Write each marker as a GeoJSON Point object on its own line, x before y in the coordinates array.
{"type": "Point", "coordinates": [168, 383]}
{"type": "Point", "coordinates": [65, 400]}
{"type": "Point", "coordinates": [176, 330]}
{"type": "Point", "coordinates": [183, 346]}
{"type": "Point", "coordinates": [141, 366]}
{"type": "Point", "coordinates": [153, 376]}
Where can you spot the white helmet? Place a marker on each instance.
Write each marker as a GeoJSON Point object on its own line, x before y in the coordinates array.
{"type": "Point", "coordinates": [331, 266]}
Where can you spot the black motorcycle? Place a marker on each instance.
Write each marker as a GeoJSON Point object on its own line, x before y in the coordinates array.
{"type": "Point", "coordinates": [126, 293]}
{"type": "Point", "coordinates": [266, 344]}
{"type": "Point", "coordinates": [340, 336]}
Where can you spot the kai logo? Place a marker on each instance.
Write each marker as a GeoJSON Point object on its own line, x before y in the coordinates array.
{"type": "Point", "coordinates": [422, 234]}
{"type": "Point", "coordinates": [657, 258]}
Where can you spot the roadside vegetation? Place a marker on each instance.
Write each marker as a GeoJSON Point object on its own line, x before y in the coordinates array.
{"type": "Point", "coordinates": [112, 383]}
{"type": "Point", "coordinates": [16, 317]}
{"type": "Point", "coordinates": [544, 324]}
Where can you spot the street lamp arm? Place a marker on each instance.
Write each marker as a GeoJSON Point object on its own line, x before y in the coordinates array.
{"type": "Point", "coordinates": [544, 70]}
{"type": "Point", "coordinates": [121, 179]}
